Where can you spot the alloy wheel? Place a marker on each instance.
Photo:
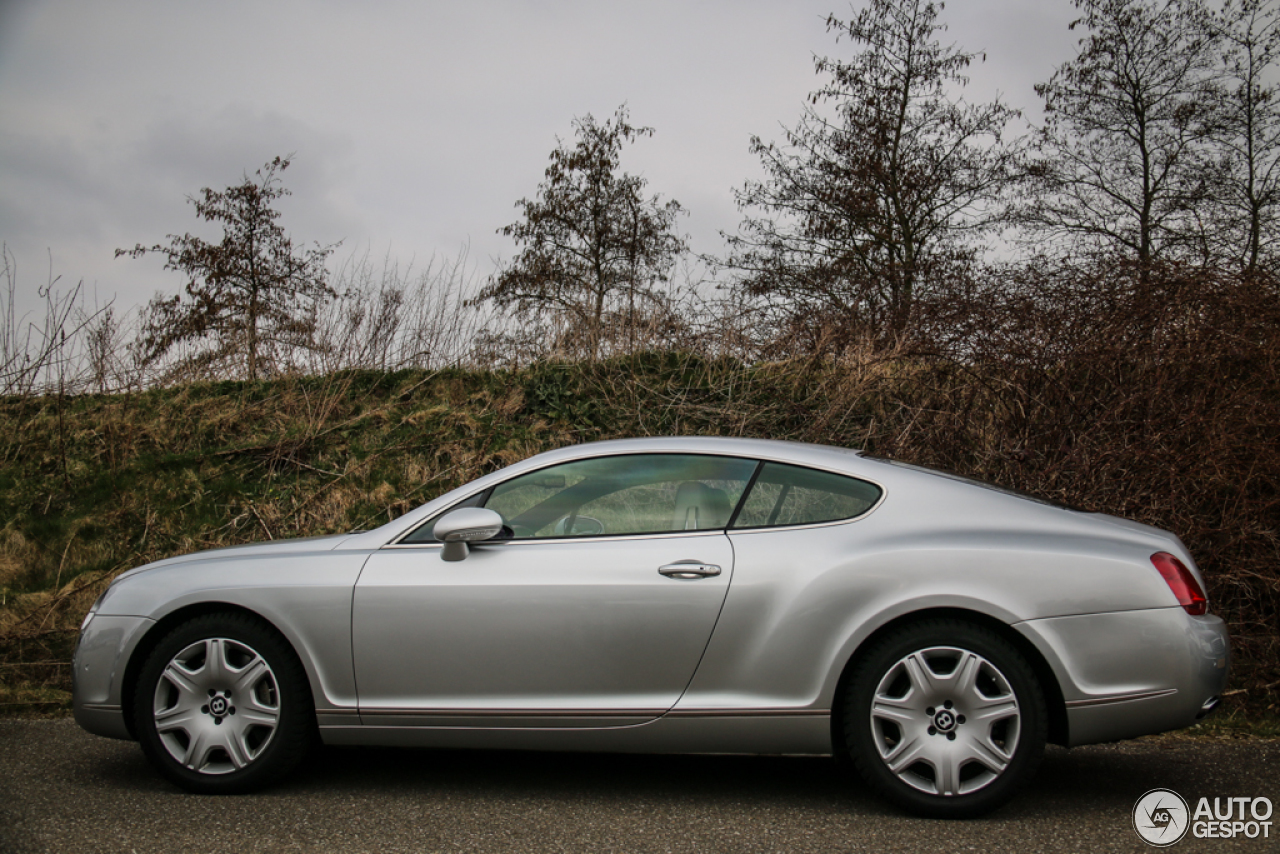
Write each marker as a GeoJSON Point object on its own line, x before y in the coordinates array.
{"type": "Point", "coordinates": [216, 706]}
{"type": "Point", "coordinates": [945, 721]}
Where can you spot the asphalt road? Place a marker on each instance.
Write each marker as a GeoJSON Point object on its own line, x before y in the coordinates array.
{"type": "Point", "coordinates": [66, 791]}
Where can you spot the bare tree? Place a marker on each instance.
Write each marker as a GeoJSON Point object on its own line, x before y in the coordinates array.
{"type": "Point", "coordinates": [250, 298]}
{"type": "Point", "coordinates": [1124, 160]}
{"type": "Point", "coordinates": [1248, 131]}
{"type": "Point", "coordinates": [593, 247]}
{"type": "Point", "coordinates": [884, 184]}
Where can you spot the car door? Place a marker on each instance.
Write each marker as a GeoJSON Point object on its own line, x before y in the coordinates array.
{"type": "Point", "coordinates": [594, 612]}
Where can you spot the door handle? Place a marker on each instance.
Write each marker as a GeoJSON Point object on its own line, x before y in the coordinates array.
{"type": "Point", "coordinates": [689, 569]}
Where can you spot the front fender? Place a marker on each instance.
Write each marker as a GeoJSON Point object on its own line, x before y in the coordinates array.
{"type": "Point", "coordinates": [305, 596]}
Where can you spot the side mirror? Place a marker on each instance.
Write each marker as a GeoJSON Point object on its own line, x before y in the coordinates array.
{"type": "Point", "coordinates": [463, 526]}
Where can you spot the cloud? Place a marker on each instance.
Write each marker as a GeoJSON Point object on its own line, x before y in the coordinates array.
{"type": "Point", "coordinates": [81, 197]}
{"type": "Point", "coordinates": [416, 126]}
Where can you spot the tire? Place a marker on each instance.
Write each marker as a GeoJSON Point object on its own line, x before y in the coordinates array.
{"type": "Point", "coordinates": [945, 718]}
{"type": "Point", "coordinates": [222, 705]}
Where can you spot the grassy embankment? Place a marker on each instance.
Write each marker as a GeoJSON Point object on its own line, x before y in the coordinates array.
{"type": "Point", "coordinates": [91, 485]}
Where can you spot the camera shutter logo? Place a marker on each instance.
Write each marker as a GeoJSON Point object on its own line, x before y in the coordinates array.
{"type": "Point", "coordinates": [1161, 817]}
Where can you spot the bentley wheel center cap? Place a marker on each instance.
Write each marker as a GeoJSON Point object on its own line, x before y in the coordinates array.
{"type": "Point", "coordinates": [944, 720]}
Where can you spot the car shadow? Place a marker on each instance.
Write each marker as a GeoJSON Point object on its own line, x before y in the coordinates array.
{"type": "Point", "coordinates": [1079, 781]}
{"type": "Point", "coordinates": [509, 773]}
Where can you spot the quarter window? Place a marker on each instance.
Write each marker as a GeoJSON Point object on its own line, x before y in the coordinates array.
{"type": "Point", "coordinates": [792, 495]}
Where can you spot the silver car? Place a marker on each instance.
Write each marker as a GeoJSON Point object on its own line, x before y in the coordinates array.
{"type": "Point", "coordinates": [671, 595]}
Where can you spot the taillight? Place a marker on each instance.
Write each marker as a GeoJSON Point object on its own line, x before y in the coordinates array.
{"type": "Point", "coordinates": [1183, 584]}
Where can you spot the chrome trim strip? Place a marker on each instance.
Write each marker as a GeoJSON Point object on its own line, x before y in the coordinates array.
{"type": "Point", "coordinates": [590, 713]}
{"type": "Point", "coordinates": [740, 532]}
{"type": "Point", "coordinates": [1120, 698]}
{"type": "Point", "coordinates": [514, 713]}
{"type": "Point", "coordinates": [347, 712]}
{"type": "Point", "coordinates": [605, 538]}
{"type": "Point", "coordinates": [747, 713]}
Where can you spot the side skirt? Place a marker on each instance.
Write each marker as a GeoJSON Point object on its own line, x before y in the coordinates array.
{"type": "Point", "coordinates": [767, 731]}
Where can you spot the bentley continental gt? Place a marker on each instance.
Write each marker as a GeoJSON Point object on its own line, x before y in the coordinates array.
{"type": "Point", "coordinates": [671, 595]}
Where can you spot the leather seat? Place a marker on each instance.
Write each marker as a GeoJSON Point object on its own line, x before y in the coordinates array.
{"type": "Point", "coordinates": [700, 507]}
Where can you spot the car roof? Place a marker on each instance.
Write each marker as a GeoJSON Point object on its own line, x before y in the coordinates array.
{"type": "Point", "coordinates": [766, 449]}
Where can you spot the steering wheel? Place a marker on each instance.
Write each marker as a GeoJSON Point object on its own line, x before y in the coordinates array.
{"type": "Point", "coordinates": [573, 525]}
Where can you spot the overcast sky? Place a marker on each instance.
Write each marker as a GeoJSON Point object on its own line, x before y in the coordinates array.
{"type": "Point", "coordinates": [415, 125]}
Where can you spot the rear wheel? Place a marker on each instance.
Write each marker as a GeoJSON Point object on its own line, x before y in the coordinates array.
{"type": "Point", "coordinates": [945, 718]}
{"type": "Point", "coordinates": [222, 705]}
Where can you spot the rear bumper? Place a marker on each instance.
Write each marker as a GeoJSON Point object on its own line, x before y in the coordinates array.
{"type": "Point", "coordinates": [1133, 673]}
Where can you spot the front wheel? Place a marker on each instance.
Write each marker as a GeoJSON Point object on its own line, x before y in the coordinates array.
{"type": "Point", "coordinates": [222, 705]}
{"type": "Point", "coordinates": [945, 718]}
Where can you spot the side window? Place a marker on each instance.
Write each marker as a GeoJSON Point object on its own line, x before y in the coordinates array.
{"type": "Point", "coordinates": [791, 495]}
{"type": "Point", "coordinates": [635, 494]}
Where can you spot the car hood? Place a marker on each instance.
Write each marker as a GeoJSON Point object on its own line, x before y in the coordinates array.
{"type": "Point", "coordinates": [301, 545]}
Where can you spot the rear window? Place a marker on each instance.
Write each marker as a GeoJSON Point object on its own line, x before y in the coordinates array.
{"type": "Point", "coordinates": [794, 495]}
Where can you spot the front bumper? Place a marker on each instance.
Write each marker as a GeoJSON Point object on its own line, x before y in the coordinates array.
{"type": "Point", "coordinates": [98, 671]}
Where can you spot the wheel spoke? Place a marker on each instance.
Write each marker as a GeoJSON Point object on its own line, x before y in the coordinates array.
{"type": "Point", "coordinates": [198, 749]}
{"type": "Point", "coordinates": [887, 708]}
{"type": "Point", "coordinates": [258, 717]}
{"type": "Point", "coordinates": [990, 712]}
{"type": "Point", "coordinates": [906, 754]}
{"type": "Point", "coordinates": [966, 676]}
{"type": "Point", "coordinates": [183, 679]}
{"type": "Point", "coordinates": [983, 751]}
{"type": "Point", "coordinates": [220, 670]}
{"type": "Point", "coordinates": [947, 772]}
{"type": "Point", "coordinates": [248, 676]}
{"type": "Point", "coordinates": [923, 680]}
{"type": "Point", "coordinates": [180, 718]}
{"type": "Point", "coordinates": [236, 749]}
{"type": "Point", "coordinates": [248, 702]}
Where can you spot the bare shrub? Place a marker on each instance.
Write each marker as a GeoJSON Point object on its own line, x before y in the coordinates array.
{"type": "Point", "coordinates": [387, 318]}
{"type": "Point", "coordinates": [1151, 393]}
{"type": "Point", "coordinates": [50, 349]}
